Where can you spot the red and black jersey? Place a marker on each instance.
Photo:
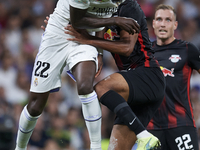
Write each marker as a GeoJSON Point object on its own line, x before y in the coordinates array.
{"type": "Point", "coordinates": [142, 54]}
{"type": "Point", "coordinates": [177, 60]}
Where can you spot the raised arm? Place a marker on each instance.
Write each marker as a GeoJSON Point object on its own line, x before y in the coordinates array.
{"type": "Point", "coordinates": [79, 20]}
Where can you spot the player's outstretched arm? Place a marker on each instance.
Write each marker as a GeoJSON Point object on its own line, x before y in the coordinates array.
{"type": "Point", "coordinates": [123, 47]}
{"type": "Point", "coordinates": [79, 20]}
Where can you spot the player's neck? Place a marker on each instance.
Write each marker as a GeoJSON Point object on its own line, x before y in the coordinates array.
{"type": "Point", "coordinates": [165, 41]}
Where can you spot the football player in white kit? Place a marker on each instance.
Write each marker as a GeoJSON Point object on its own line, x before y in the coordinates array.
{"type": "Point", "coordinates": [55, 52]}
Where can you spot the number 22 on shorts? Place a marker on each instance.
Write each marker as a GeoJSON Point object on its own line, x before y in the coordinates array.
{"type": "Point", "coordinates": [183, 142]}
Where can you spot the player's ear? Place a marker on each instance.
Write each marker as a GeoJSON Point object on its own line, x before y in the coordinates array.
{"type": "Point", "coordinates": [153, 23]}
{"type": "Point", "coordinates": [175, 25]}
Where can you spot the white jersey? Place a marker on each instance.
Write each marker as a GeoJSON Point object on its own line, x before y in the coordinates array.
{"type": "Point", "coordinates": [61, 17]}
{"type": "Point", "coordinates": [56, 51]}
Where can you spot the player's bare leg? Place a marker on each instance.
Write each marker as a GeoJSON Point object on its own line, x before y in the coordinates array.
{"type": "Point", "coordinates": [115, 82]}
{"type": "Point", "coordinates": [28, 118]}
{"type": "Point", "coordinates": [84, 73]}
{"type": "Point", "coordinates": [122, 138]}
{"type": "Point", "coordinates": [113, 92]}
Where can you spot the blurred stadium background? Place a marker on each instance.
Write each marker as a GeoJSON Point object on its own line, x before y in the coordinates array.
{"type": "Point", "coordinates": [61, 125]}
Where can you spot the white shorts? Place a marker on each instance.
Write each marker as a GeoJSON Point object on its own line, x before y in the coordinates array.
{"type": "Point", "coordinates": [54, 54]}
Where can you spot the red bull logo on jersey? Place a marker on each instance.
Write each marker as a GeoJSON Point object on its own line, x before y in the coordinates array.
{"type": "Point", "coordinates": [175, 58]}
{"type": "Point", "coordinates": [109, 35]}
{"type": "Point", "coordinates": [167, 71]}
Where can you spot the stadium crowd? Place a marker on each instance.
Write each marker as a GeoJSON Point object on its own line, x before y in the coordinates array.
{"type": "Point", "coordinates": [61, 125]}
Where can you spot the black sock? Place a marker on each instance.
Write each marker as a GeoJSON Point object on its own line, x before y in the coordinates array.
{"type": "Point", "coordinates": [119, 106]}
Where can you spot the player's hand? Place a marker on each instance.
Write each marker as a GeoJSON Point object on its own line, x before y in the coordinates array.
{"type": "Point", "coordinates": [46, 22]}
{"type": "Point", "coordinates": [100, 65]}
{"type": "Point", "coordinates": [128, 24]}
{"type": "Point", "coordinates": [80, 36]}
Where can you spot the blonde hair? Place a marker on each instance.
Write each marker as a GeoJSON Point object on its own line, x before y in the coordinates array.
{"type": "Point", "coordinates": [164, 7]}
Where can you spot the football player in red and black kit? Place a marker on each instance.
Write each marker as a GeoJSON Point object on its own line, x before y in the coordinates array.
{"type": "Point", "coordinates": [136, 91]}
{"type": "Point", "coordinates": [174, 122]}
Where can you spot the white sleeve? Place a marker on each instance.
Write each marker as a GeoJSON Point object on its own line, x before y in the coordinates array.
{"type": "Point", "coordinates": [80, 4]}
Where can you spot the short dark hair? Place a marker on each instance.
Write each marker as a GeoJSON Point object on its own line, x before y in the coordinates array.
{"type": "Point", "coordinates": [164, 7]}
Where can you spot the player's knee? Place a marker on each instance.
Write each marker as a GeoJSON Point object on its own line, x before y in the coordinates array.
{"type": "Point", "coordinates": [34, 111]}
{"type": "Point", "coordinates": [34, 108]}
{"type": "Point", "coordinates": [97, 87]}
{"type": "Point", "coordinates": [100, 90]}
{"type": "Point", "coordinates": [36, 103]}
{"type": "Point", "coordinates": [84, 88]}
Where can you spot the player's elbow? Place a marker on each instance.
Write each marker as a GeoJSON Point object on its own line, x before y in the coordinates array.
{"type": "Point", "coordinates": [127, 51]}
{"type": "Point", "coordinates": [127, 47]}
{"type": "Point", "coordinates": [77, 17]}
{"type": "Point", "coordinates": [75, 25]}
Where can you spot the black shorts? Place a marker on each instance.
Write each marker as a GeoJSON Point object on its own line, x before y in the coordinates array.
{"type": "Point", "coordinates": [146, 86]}
{"type": "Point", "coordinates": [180, 138]}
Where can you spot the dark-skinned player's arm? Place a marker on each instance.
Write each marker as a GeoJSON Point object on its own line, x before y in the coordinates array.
{"type": "Point", "coordinates": [124, 46]}
{"type": "Point", "coordinates": [100, 51]}
{"type": "Point", "coordinates": [79, 20]}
